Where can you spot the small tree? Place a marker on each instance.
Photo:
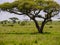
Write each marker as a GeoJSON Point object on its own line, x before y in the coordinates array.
{"type": "Point", "coordinates": [1, 22]}
{"type": "Point", "coordinates": [4, 22]}
{"type": "Point", "coordinates": [33, 8]}
{"type": "Point", "coordinates": [14, 19]}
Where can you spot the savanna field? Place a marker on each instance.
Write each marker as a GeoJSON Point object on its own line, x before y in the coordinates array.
{"type": "Point", "coordinates": [27, 34]}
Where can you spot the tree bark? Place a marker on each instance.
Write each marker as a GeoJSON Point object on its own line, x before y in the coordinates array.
{"type": "Point", "coordinates": [40, 28]}
{"type": "Point", "coordinates": [37, 25]}
{"type": "Point", "coordinates": [42, 25]}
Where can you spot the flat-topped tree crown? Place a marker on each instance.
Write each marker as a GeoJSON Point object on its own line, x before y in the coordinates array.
{"type": "Point", "coordinates": [5, 6]}
{"type": "Point", "coordinates": [33, 8]}
{"type": "Point", "coordinates": [30, 5]}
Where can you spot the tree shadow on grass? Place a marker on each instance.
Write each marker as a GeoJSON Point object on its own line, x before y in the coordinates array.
{"type": "Point", "coordinates": [33, 33]}
{"type": "Point", "coordinates": [46, 33]}
{"type": "Point", "coordinates": [41, 33]}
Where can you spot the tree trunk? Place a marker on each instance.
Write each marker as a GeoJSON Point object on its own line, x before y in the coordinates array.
{"type": "Point", "coordinates": [37, 26]}
{"type": "Point", "coordinates": [42, 26]}
{"type": "Point", "coordinates": [40, 29]}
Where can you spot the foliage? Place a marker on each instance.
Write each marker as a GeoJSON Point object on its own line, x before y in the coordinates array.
{"type": "Point", "coordinates": [4, 22]}
{"type": "Point", "coordinates": [14, 19]}
{"type": "Point", "coordinates": [23, 23]}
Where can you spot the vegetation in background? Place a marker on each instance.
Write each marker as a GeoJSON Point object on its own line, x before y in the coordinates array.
{"type": "Point", "coordinates": [14, 19]}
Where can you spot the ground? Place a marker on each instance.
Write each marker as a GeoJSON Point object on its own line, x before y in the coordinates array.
{"type": "Point", "coordinates": [17, 34]}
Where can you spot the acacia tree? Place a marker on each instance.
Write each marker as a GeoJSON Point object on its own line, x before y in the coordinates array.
{"type": "Point", "coordinates": [32, 9]}
{"type": "Point", "coordinates": [5, 21]}
{"type": "Point", "coordinates": [14, 19]}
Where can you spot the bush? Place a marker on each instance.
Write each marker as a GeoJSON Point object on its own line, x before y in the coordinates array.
{"type": "Point", "coordinates": [18, 22]}
{"type": "Point", "coordinates": [11, 25]}
{"type": "Point", "coordinates": [23, 23]}
{"type": "Point", "coordinates": [51, 27]}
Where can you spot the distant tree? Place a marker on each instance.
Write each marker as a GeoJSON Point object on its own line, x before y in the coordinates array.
{"type": "Point", "coordinates": [14, 19]}
{"type": "Point", "coordinates": [1, 22]}
{"type": "Point", "coordinates": [4, 22]}
{"type": "Point", "coordinates": [18, 22]}
{"type": "Point", "coordinates": [32, 9]}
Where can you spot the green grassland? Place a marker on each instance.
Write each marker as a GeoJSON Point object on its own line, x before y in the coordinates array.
{"type": "Point", "coordinates": [17, 34]}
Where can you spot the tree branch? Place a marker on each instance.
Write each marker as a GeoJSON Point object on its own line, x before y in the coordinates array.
{"type": "Point", "coordinates": [37, 12]}
{"type": "Point", "coordinates": [48, 20]}
{"type": "Point", "coordinates": [55, 14]}
{"type": "Point", "coordinates": [39, 16]}
{"type": "Point", "coordinates": [12, 11]}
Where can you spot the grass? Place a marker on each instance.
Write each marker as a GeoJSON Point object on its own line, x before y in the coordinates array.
{"type": "Point", "coordinates": [28, 34]}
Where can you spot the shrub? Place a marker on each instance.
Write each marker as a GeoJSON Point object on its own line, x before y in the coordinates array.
{"type": "Point", "coordinates": [23, 23]}
{"type": "Point", "coordinates": [51, 27]}
{"type": "Point", "coordinates": [11, 25]}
